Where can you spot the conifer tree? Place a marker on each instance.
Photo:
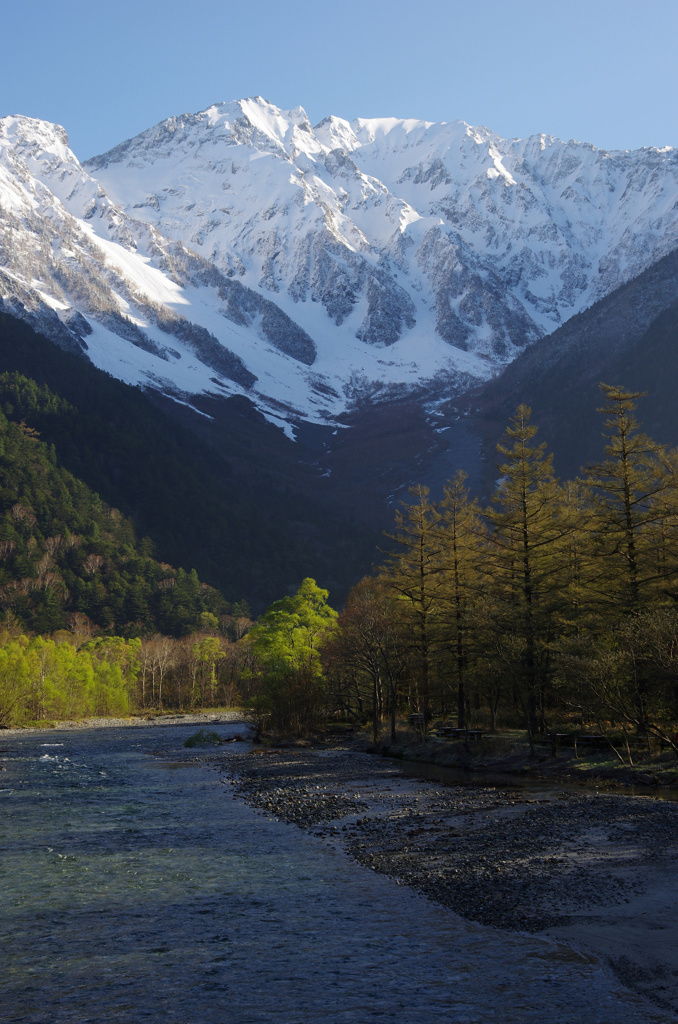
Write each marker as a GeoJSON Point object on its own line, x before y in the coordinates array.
{"type": "Point", "coordinates": [526, 559]}
{"type": "Point", "coordinates": [630, 489]}
{"type": "Point", "coordinates": [462, 544]}
{"type": "Point", "coordinates": [415, 573]}
{"type": "Point", "coordinates": [632, 521]}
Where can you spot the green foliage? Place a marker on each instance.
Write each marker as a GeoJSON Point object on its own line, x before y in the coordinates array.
{"type": "Point", "coordinates": [63, 551]}
{"type": "Point", "coordinates": [286, 644]}
{"type": "Point", "coordinates": [203, 738]}
{"type": "Point", "coordinates": [290, 634]}
{"type": "Point", "coordinates": [208, 652]}
{"type": "Point", "coordinates": [42, 679]}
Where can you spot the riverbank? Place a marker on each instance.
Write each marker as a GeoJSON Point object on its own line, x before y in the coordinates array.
{"type": "Point", "coordinates": [189, 718]}
{"type": "Point", "coordinates": [496, 755]}
{"type": "Point", "coordinates": [137, 890]}
{"type": "Point", "coordinates": [597, 870]}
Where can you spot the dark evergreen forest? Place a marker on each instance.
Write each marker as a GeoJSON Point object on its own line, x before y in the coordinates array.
{"type": "Point", "coordinates": [64, 552]}
{"type": "Point", "coordinates": [245, 529]}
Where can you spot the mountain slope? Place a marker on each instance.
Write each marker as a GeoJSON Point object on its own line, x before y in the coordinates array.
{"type": "Point", "coordinates": [225, 494]}
{"type": "Point", "coordinates": [629, 338]}
{"type": "Point", "coordinates": [385, 291]}
{"type": "Point", "coordinates": [240, 251]}
{"type": "Point", "coordinates": [64, 553]}
{"type": "Point", "coordinates": [505, 239]}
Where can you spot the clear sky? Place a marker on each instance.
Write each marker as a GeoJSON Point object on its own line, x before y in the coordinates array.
{"type": "Point", "coordinates": [601, 71]}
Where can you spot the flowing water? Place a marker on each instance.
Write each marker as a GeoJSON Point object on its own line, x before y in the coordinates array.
{"type": "Point", "coordinates": [135, 888]}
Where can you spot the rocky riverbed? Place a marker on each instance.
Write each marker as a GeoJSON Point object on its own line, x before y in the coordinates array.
{"type": "Point", "coordinates": [595, 869]}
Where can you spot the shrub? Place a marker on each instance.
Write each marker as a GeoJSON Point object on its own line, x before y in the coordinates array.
{"type": "Point", "coordinates": [203, 738]}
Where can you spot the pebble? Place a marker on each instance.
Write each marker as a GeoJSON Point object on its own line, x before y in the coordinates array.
{"type": "Point", "coordinates": [506, 859]}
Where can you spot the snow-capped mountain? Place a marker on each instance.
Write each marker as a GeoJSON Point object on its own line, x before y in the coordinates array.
{"type": "Point", "coordinates": [243, 250]}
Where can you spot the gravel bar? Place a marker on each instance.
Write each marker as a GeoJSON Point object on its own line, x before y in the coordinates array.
{"type": "Point", "coordinates": [597, 869]}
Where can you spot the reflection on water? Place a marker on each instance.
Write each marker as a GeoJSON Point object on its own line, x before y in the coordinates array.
{"type": "Point", "coordinates": [133, 888]}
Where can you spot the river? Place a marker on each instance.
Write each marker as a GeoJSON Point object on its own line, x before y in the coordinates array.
{"type": "Point", "coordinates": [135, 888]}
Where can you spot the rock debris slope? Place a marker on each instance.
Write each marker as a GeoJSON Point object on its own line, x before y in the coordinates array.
{"type": "Point", "coordinates": [242, 251]}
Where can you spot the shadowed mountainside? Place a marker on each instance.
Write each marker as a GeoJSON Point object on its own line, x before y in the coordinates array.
{"type": "Point", "coordinates": [629, 338]}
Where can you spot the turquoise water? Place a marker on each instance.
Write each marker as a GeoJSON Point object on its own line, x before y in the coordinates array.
{"type": "Point", "coordinates": [135, 888]}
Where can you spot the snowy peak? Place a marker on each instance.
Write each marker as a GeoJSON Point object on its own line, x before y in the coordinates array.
{"type": "Point", "coordinates": [242, 249]}
{"type": "Point", "coordinates": [336, 133]}
{"type": "Point", "coordinates": [287, 128]}
{"type": "Point", "coordinates": [555, 224]}
{"type": "Point", "coordinates": [252, 123]}
{"type": "Point", "coordinates": [31, 136]}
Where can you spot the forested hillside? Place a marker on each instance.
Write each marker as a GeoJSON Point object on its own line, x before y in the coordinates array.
{"type": "Point", "coordinates": [64, 552]}
{"type": "Point", "coordinates": [238, 511]}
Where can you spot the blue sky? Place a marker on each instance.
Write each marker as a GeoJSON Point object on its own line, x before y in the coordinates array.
{"type": "Point", "coordinates": [601, 71]}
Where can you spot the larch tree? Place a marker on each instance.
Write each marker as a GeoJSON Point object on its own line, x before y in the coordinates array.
{"type": "Point", "coordinates": [633, 523]}
{"type": "Point", "coordinates": [415, 574]}
{"type": "Point", "coordinates": [462, 544]}
{"type": "Point", "coordinates": [629, 489]}
{"type": "Point", "coordinates": [526, 559]}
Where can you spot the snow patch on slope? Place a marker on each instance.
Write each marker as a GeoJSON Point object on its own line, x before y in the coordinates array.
{"type": "Point", "coordinates": [242, 251]}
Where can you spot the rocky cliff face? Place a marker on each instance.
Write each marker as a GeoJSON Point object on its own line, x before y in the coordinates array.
{"type": "Point", "coordinates": [241, 250]}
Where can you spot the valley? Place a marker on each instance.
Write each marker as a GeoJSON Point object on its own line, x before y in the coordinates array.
{"type": "Point", "coordinates": [338, 513]}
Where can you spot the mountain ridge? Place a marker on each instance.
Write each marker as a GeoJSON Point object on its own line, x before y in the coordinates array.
{"type": "Point", "coordinates": [629, 338]}
{"type": "Point", "coordinates": [312, 269]}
